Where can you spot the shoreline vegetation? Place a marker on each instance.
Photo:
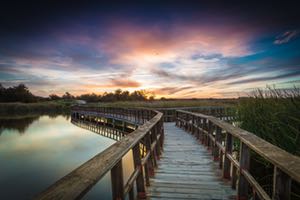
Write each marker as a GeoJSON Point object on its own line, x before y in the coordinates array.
{"type": "Point", "coordinates": [19, 100]}
{"type": "Point", "coordinates": [45, 107]}
{"type": "Point", "coordinates": [273, 115]}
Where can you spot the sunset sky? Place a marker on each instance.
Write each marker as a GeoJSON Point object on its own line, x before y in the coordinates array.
{"type": "Point", "coordinates": [174, 49]}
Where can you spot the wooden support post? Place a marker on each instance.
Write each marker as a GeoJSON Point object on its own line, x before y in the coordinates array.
{"type": "Point", "coordinates": [228, 150]}
{"type": "Point", "coordinates": [155, 154]}
{"type": "Point", "coordinates": [157, 146]}
{"type": "Point", "coordinates": [131, 194]}
{"type": "Point", "coordinates": [218, 138]}
{"type": "Point", "coordinates": [210, 133]}
{"type": "Point", "coordinates": [207, 135]}
{"type": "Point", "coordinates": [281, 185]}
{"type": "Point", "coordinates": [198, 131]}
{"type": "Point", "coordinates": [192, 125]}
{"type": "Point", "coordinates": [150, 162]}
{"type": "Point", "coordinates": [234, 177]}
{"type": "Point", "coordinates": [202, 133]}
{"type": "Point", "coordinates": [186, 121]}
{"type": "Point", "coordinates": [243, 185]}
{"type": "Point", "coordinates": [117, 181]}
{"type": "Point", "coordinates": [140, 185]}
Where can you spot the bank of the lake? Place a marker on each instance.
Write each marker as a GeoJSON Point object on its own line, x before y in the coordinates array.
{"type": "Point", "coordinates": [44, 107]}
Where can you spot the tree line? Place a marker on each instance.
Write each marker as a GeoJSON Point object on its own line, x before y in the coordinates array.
{"type": "Point", "coordinates": [21, 93]}
{"type": "Point", "coordinates": [18, 93]}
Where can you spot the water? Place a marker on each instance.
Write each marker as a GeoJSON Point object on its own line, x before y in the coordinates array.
{"type": "Point", "coordinates": [35, 151]}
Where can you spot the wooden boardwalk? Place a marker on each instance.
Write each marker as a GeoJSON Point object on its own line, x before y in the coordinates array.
{"type": "Point", "coordinates": [186, 170]}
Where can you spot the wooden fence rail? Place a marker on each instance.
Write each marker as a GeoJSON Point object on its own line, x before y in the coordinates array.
{"type": "Point", "coordinates": [218, 136]}
{"type": "Point", "coordinates": [146, 144]}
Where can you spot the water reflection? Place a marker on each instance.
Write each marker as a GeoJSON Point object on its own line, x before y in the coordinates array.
{"type": "Point", "coordinates": [21, 123]}
{"type": "Point", "coordinates": [17, 124]}
{"type": "Point", "coordinates": [35, 151]}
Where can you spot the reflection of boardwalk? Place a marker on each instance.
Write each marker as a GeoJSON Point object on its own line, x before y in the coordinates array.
{"type": "Point", "coordinates": [106, 131]}
{"type": "Point", "coordinates": [186, 170]}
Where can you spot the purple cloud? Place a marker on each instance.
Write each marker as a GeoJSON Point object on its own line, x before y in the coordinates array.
{"type": "Point", "coordinates": [286, 37]}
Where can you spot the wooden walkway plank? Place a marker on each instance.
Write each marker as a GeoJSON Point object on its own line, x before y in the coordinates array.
{"type": "Point", "coordinates": [186, 170]}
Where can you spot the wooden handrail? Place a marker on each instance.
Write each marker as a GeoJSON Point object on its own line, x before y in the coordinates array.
{"type": "Point", "coordinates": [77, 183]}
{"type": "Point", "coordinates": [208, 128]}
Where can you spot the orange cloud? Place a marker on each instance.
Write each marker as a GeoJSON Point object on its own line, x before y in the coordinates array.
{"type": "Point", "coordinates": [130, 42]}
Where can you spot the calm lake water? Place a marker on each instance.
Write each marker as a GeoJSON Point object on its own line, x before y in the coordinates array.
{"type": "Point", "coordinates": [36, 151]}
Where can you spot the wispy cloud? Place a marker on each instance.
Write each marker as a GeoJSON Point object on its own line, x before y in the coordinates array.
{"type": "Point", "coordinates": [286, 37]}
{"type": "Point", "coordinates": [171, 90]}
{"type": "Point", "coordinates": [267, 78]}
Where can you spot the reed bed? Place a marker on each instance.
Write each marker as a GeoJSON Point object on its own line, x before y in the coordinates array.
{"type": "Point", "coordinates": [274, 115]}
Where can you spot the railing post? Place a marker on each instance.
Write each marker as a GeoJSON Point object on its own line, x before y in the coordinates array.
{"type": "Point", "coordinates": [150, 162]}
{"type": "Point", "coordinates": [234, 177]}
{"type": "Point", "coordinates": [217, 140]}
{"type": "Point", "coordinates": [243, 185]}
{"type": "Point", "coordinates": [202, 138]}
{"type": "Point", "coordinates": [207, 127]}
{"type": "Point", "coordinates": [117, 181]}
{"type": "Point", "coordinates": [198, 130]}
{"type": "Point", "coordinates": [157, 146]}
{"type": "Point", "coordinates": [140, 185]}
{"type": "Point", "coordinates": [162, 134]}
{"type": "Point", "coordinates": [281, 185]}
{"type": "Point", "coordinates": [186, 122]}
{"type": "Point", "coordinates": [228, 150]}
{"type": "Point", "coordinates": [210, 133]}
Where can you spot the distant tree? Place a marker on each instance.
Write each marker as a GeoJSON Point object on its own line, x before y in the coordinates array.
{"type": "Point", "coordinates": [18, 93]}
{"type": "Point", "coordinates": [139, 95]}
{"type": "Point", "coordinates": [2, 93]}
{"type": "Point", "coordinates": [152, 98]}
{"type": "Point", "coordinates": [68, 96]}
{"type": "Point", "coordinates": [54, 97]}
{"type": "Point", "coordinates": [125, 96]}
{"type": "Point", "coordinates": [89, 97]}
{"type": "Point", "coordinates": [117, 95]}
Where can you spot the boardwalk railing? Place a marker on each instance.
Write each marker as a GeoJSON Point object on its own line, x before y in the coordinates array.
{"type": "Point", "coordinates": [218, 136]}
{"type": "Point", "coordinates": [146, 143]}
{"type": "Point", "coordinates": [217, 111]}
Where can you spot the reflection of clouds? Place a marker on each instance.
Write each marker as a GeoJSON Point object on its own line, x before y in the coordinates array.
{"type": "Point", "coordinates": [51, 136]}
{"type": "Point", "coordinates": [49, 149]}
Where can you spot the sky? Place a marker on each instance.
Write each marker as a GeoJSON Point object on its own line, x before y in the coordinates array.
{"type": "Point", "coordinates": [175, 49]}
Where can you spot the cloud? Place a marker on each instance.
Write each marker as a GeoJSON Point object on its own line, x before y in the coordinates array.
{"type": "Point", "coordinates": [266, 78]}
{"type": "Point", "coordinates": [171, 90]}
{"type": "Point", "coordinates": [124, 83]}
{"type": "Point", "coordinates": [286, 37]}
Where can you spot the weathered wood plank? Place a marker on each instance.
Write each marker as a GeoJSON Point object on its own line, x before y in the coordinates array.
{"type": "Point", "coordinates": [186, 170]}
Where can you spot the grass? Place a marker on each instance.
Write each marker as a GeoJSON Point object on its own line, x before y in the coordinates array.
{"type": "Point", "coordinates": [170, 103]}
{"type": "Point", "coordinates": [273, 115]}
{"type": "Point", "coordinates": [46, 107]}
